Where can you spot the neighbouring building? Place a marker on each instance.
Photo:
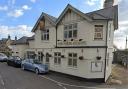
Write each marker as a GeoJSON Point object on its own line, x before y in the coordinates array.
{"type": "Point", "coordinates": [5, 45]}
{"type": "Point", "coordinates": [75, 43]}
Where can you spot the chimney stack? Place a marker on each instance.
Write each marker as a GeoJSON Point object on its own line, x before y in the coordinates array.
{"type": "Point", "coordinates": [9, 37]}
{"type": "Point", "coordinates": [15, 38]}
{"type": "Point", "coordinates": [108, 3]}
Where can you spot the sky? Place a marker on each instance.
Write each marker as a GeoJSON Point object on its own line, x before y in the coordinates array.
{"type": "Point", "coordinates": [17, 17]}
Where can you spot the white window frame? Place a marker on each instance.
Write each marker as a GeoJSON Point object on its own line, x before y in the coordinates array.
{"type": "Point", "coordinates": [57, 58]}
{"type": "Point", "coordinates": [72, 59]}
{"type": "Point", "coordinates": [40, 57]}
{"type": "Point", "coordinates": [45, 34]}
{"type": "Point", "coordinates": [47, 60]}
{"type": "Point", "coordinates": [70, 28]}
{"type": "Point", "coordinates": [98, 31]}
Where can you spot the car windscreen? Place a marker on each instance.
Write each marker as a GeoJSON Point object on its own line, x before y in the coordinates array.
{"type": "Point", "coordinates": [36, 62]}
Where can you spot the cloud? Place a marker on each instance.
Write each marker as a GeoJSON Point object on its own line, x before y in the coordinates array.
{"type": "Point", "coordinates": [16, 13]}
{"type": "Point", "coordinates": [91, 2]}
{"type": "Point", "coordinates": [3, 8]}
{"type": "Point", "coordinates": [122, 32]}
{"type": "Point", "coordinates": [33, 1]}
{"type": "Point", "coordinates": [19, 31]}
{"type": "Point", "coordinates": [26, 7]}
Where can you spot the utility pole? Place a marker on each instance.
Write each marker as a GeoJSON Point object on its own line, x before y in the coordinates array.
{"type": "Point", "coordinates": [126, 53]}
{"type": "Point", "coordinates": [126, 43]}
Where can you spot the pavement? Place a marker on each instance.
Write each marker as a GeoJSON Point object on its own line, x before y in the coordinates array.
{"type": "Point", "coordinates": [16, 78]}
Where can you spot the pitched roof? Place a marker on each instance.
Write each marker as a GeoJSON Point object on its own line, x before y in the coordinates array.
{"type": "Point", "coordinates": [75, 10]}
{"type": "Point", "coordinates": [110, 13]}
{"type": "Point", "coordinates": [31, 38]}
{"type": "Point", "coordinates": [49, 17]}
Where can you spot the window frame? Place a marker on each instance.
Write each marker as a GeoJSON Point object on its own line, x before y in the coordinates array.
{"type": "Point", "coordinates": [72, 59]}
{"type": "Point", "coordinates": [40, 57]}
{"type": "Point", "coordinates": [57, 58]}
{"type": "Point", "coordinates": [45, 34]}
{"type": "Point", "coordinates": [99, 31]}
{"type": "Point", "coordinates": [69, 31]}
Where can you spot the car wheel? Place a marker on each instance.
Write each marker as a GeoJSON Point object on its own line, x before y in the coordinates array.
{"type": "Point", "coordinates": [37, 71]}
{"type": "Point", "coordinates": [23, 67]}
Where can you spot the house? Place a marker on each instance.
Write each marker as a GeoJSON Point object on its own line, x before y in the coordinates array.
{"type": "Point", "coordinates": [19, 46]}
{"type": "Point", "coordinates": [5, 45]}
{"type": "Point", "coordinates": [76, 43]}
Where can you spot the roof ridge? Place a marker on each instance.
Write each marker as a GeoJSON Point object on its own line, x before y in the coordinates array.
{"type": "Point", "coordinates": [101, 9]}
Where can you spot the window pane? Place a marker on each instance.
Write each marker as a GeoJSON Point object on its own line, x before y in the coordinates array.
{"type": "Point", "coordinates": [55, 60]}
{"type": "Point", "coordinates": [47, 36]}
{"type": "Point", "coordinates": [47, 59]}
{"type": "Point", "coordinates": [65, 34]}
{"type": "Point", "coordinates": [74, 33]}
{"type": "Point", "coordinates": [55, 54]}
{"type": "Point", "coordinates": [65, 27]}
{"type": "Point", "coordinates": [70, 26]}
{"type": "Point", "coordinates": [70, 34]}
{"type": "Point", "coordinates": [98, 35]}
{"type": "Point", "coordinates": [74, 62]}
{"type": "Point", "coordinates": [59, 60]}
{"type": "Point", "coordinates": [75, 55]}
{"type": "Point", "coordinates": [59, 54]}
{"type": "Point", "coordinates": [70, 62]}
{"type": "Point", "coordinates": [70, 54]}
{"type": "Point", "coordinates": [75, 25]}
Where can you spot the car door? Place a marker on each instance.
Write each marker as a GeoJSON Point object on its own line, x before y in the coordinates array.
{"type": "Point", "coordinates": [26, 64]}
{"type": "Point", "coordinates": [31, 65]}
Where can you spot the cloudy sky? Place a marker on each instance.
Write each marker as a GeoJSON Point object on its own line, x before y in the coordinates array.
{"type": "Point", "coordinates": [17, 17]}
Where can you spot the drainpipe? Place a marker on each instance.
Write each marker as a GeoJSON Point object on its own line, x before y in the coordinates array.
{"type": "Point", "coordinates": [56, 36]}
{"type": "Point", "coordinates": [106, 51]}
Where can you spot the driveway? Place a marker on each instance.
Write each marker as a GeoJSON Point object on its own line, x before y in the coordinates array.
{"type": "Point", "coordinates": [16, 78]}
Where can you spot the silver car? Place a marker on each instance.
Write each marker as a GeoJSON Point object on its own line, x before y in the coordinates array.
{"type": "Point", "coordinates": [34, 65]}
{"type": "Point", "coordinates": [3, 57]}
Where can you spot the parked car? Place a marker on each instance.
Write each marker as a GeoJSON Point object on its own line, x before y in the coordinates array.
{"type": "Point", "coordinates": [14, 61]}
{"type": "Point", "coordinates": [3, 57]}
{"type": "Point", "coordinates": [34, 65]}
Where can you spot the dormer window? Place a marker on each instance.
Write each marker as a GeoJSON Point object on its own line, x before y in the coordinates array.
{"type": "Point", "coordinates": [70, 31]}
{"type": "Point", "coordinates": [45, 34]}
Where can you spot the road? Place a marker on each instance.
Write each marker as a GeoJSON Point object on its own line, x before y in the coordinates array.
{"type": "Point", "coordinates": [16, 78]}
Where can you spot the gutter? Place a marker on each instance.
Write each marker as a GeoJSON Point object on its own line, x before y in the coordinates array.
{"type": "Point", "coordinates": [106, 51]}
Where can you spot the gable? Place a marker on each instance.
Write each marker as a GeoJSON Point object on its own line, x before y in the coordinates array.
{"type": "Point", "coordinates": [70, 16]}
{"type": "Point", "coordinates": [48, 23]}
{"type": "Point", "coordinates": [72, 9]}
{"type": "Point", "coordinates": [46, 19]}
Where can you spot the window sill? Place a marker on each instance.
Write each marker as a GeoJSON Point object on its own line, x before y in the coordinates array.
{"type": "Point", "coordinates": [57, 65]}
{"type": "Point", "coordinates": [98, 40]}
{"type": "Point", "coordinates": [71, 67]}
{"type": "Point", "coordinates": [46, 41]}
